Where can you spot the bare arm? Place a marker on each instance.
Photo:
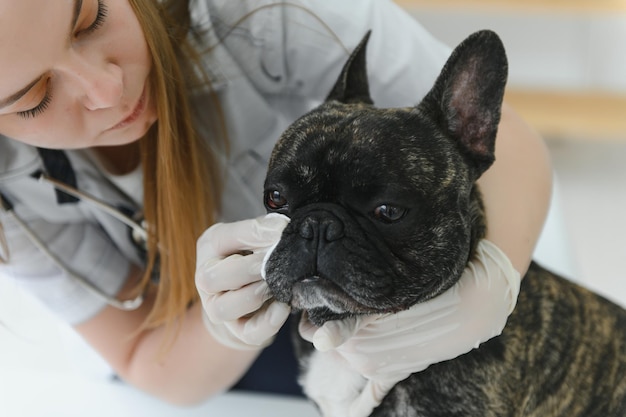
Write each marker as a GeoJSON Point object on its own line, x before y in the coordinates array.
{"type": "Point", "coordinates": [190, 369]}
{"type": "Point", "coordinates": [516, 189]}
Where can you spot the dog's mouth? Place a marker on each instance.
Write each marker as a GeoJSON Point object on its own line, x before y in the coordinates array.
{"type": "Point", "coordinates": [315, 292]}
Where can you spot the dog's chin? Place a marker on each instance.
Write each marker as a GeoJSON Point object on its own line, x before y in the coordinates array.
{"type": "Point", "coordinates": [316, 292]}
{"type": "Point", "coordinates": [324, 300]}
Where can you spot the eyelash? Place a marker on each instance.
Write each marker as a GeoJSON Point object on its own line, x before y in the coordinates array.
{"type": "Point", "coordinates": [37, 110]}
{"type": "Point", "coordinates": [101, 15]}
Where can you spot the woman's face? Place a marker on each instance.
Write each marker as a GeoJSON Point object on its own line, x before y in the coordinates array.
{"type": "Point", "coordinates": [73, 73]}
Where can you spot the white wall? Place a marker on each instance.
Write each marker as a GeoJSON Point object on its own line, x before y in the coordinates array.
{"type": "Point", "coordinates": [546, 50]}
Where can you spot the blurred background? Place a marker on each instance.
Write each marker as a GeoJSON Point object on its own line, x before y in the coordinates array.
{"type": "Point", "coordinates": [567, 63]}
{"type": "Point", "coordinates": [567, 77]}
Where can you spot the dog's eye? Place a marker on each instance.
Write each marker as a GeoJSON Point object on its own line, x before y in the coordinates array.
{"type": "Point", "coordinates": [388, 213]}
{"type": "Point", "coordinates": [274, 200]}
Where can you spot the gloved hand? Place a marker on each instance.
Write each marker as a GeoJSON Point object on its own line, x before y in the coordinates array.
{"type": "Point", "coordinates": [387, 348]}
{"type": "Point", "coordinates": [239, 311]}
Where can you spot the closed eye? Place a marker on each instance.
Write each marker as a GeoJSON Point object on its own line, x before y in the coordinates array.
{"type": "Point", "coordinates": [99, 19]}
{"type": "Point", "coordinates": [101, 15]}
{"type": "Point", "coordinates": [39, 108]}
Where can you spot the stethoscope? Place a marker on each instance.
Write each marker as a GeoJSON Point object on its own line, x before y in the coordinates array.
{"type": "Point", "coordinates": [139, 235]}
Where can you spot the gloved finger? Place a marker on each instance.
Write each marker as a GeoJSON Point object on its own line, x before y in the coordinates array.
{"type": "Point", "coordinates": [223, 335]}
{"type": "Point", "coordinates": [230, 273]}
{"type": "Point", "coordinates": [334, 333]}
{"type": "Point", "coordinates": [260, 329]}
{"type": "Point", "coordinates": [490, 271]}
{"type": "Point", "coordinates": [306, 329]}
{"type": "Point", "coordinates": [223, 239]}
{"type": "Point", "coordinates": [370, 397]}
{"type": "Point", "coordinates": [231, 305]}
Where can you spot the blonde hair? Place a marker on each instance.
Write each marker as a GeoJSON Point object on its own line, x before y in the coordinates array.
{"type": "Point", "coordinates": [181, 182]}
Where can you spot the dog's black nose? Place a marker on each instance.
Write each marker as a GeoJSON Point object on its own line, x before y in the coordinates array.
{"type": "Point", "coordinates": [321, 227]}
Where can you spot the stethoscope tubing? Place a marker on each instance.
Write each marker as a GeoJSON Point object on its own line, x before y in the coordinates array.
{"type": "Point", "coordinates": [126, 305]}
{"type": "Point", "coordinates": [101, 205]}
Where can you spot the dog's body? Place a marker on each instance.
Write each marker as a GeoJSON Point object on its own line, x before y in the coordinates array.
{"type": "Point", "coordinates": [385, 213]}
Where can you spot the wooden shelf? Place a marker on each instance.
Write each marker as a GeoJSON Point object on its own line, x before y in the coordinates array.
{"type": "Point", "coordinates": [564, 6]}
{"type": "Point", "coordinates": [572, 115]}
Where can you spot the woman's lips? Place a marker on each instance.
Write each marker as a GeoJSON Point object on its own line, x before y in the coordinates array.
{"type": "Point", "coordinates": [137, 111]}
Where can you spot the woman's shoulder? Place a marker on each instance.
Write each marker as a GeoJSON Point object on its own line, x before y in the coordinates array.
{"type": "Point", "coordinates": [297, 48]}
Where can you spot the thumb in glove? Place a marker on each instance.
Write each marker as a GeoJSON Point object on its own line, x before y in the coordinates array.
{"type": "Point", "coordinates": [238, 308]}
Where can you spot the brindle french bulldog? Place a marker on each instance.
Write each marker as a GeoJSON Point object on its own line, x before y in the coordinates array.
{"type": "Point", "coordinates": [385, 213]}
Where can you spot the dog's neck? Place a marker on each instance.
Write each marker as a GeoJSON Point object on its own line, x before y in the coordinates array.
{"type": "Point", "coordinates": [479, 221]}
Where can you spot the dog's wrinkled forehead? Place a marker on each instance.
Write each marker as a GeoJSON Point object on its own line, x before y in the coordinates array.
{"type": "Point", "coordinates": [367, 143]}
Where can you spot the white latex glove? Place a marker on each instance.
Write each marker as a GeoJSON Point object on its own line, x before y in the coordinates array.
{"type": "Point", "coordinates": [238, 310]}
{"type": "Point", "coordinates": [386, 349]}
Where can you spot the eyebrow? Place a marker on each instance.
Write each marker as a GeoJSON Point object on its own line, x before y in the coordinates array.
{"type": "Point", "coordinates": [78, 4]}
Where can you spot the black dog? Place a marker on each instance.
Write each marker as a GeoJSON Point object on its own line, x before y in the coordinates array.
{"type": "Point", "coordinates": [385, 213]}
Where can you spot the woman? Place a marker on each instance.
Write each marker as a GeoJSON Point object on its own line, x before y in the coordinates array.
{"type": "Point", "coordinates": [172, 112]}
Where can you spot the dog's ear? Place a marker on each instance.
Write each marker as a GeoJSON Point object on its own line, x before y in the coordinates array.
{"type": "Point", "coordinates": [352, 85]}
{"type": "Point", "coordinates": [467, 96]}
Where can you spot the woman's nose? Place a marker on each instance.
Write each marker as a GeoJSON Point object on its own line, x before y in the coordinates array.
{"type": "Point", "coordinates": [103, 89]}
{"type": "Point", "coordinates": [101, 84]}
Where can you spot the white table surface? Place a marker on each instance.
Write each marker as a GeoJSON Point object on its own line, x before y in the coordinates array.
{"type": "Point", "coordinates": [47, 394]}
